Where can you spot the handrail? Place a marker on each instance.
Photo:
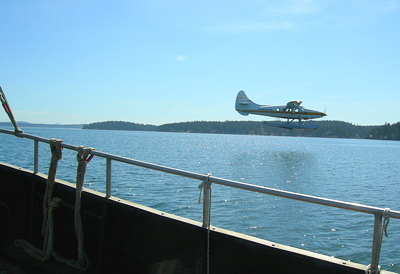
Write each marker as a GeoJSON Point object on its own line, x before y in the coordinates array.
{"type": "Point", "coordinates": [379, 213]}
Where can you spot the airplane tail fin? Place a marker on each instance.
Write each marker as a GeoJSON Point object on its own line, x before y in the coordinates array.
{"type": "Point", "coordinates": [243, 104]}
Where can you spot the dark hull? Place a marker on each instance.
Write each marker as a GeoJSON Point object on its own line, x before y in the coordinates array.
{"type": "Point", "coordinates": [123, 237]}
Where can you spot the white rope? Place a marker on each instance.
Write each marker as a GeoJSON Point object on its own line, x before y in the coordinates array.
{"type": "Point", "coordinates": [83, 261]}
{"type": "Point", "coordinates": [201, 187]}
{"type": "Point", "coordinates": [49, 204]}
{"type": "Point", "coordinates": [368, 270]}
{"type": "Point", "coordinates": [386, 219]}
{"type": "Point", "coordinates": [56, 155]}
{"type": "Point", "coordinates": [82, 158]}
{"type": "Point", "coordinates": [48, 241]}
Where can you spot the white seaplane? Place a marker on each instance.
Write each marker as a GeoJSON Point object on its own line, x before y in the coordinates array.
{"type": "Point", "coordinates": [291, 111]}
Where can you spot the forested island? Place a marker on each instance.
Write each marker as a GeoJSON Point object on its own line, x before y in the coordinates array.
{"type": "Point", "coordinates": [328, 129]}
{"type": "Point", "coordinates": [120, 125]}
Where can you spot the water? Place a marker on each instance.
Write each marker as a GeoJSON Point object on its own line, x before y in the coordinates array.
{"type": "Point", "coordinates": [359, 171]}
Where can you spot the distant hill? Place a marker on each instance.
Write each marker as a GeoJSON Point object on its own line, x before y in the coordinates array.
{"type": "Point", "coordinates": [331, 129]}
{"type": "Point", "coordinates": [385, 132]}
{"type": "Point", "coordinates": [26, 124]}
{"type": "Point", "coordinates": [328, 129]}
{"type": "Point", "coordinates": [119, 125]}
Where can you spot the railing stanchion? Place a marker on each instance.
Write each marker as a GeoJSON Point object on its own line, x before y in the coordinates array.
{"type": "Point", "coordinates": [36, 157]}
{"type": "Point", "coordinates": [376, 244]}
{"type": "Point", "coordinates": [207, 204]}
{"type": "Point", "coordinates": [108, 178]}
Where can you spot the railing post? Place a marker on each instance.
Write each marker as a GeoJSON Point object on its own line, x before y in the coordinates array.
{"type": "Point", "coordinates": [376, 244]}
{"type": "Point", "coordinates": [108, 177]}
{"type": "Point", "coordinates": [36, 157]}
{"type": "Point", "coordinates": [207, 203]}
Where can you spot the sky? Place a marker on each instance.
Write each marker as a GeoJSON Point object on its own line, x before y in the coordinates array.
{"type": "Point", "coordinates": [157, 62]}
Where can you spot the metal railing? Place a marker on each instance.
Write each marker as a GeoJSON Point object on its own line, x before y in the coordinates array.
{"type": "Point", "coordinates": [379, 213]}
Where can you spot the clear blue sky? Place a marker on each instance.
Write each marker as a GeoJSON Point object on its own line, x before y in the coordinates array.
{"type": "Point", "coordinates": [157, 62]}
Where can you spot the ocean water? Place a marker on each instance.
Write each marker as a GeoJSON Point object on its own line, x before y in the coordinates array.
{"type": "Point", "coordinates": [358, 171]}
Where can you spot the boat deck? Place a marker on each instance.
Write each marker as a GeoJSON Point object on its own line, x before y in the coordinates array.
{"type": "Point", "coordinates": [123, 237]}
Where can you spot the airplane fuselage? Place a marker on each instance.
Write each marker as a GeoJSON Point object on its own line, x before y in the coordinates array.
{"type": "Point", "coordinates": [292, 110]}
{"type": "Point", "coordinates": [282, 112]}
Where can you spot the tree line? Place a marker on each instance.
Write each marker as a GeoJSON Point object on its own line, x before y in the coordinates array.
{"type": "Point", "coordinates": [329, 129]}
{"type": "Point", "coordinates": [385, 132]}
{"type": "Point", "coordinates": [120, 125]}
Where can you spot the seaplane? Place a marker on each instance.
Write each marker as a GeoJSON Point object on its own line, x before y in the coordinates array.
{"type": "Point", "coordinates": [291, 111]}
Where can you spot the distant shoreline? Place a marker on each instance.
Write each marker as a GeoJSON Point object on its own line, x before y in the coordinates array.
{"type": "Point", "coordinates": [327, 129]}
{"type": "Point", "coordinates": [26, 124]}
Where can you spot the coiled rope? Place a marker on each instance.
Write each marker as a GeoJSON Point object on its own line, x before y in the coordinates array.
{"type": "Point", "coordinates": [49, 204]}
{"type": "Point", "coordinates": [83, 261]}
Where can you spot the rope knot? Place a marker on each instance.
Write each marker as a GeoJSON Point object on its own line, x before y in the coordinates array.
{"type": "Point", "coordinates": [54, 202]}
{"type": "Point", "coordinates": [201, 186]}
{"type": "Point", "coordinates": [83, 158]}
{"type": "Point", "coordinates": [83, 154]}
{"type": "Point", "coordinates": [55, 147]}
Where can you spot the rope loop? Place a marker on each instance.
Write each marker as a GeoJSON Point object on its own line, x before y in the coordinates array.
{"type": "Point", "coordinates": [368, 270]}
{"type": "Point", "coordinates": [55, 147]}
{"type": "Point", "coordinates": [89, 158]}
{"type": "Point", "coordinates": [49, 205]}
{"type": "Point", "coordinates": [56, 155]}
{"type": "Point", "coordinates": [83, 153]}
{"type": "Point", "coordinates": [201, 186]}
{"type": "Point", "coordinates": [386, 219]}
{"type": "Point", "coordinates": [83, 158]}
